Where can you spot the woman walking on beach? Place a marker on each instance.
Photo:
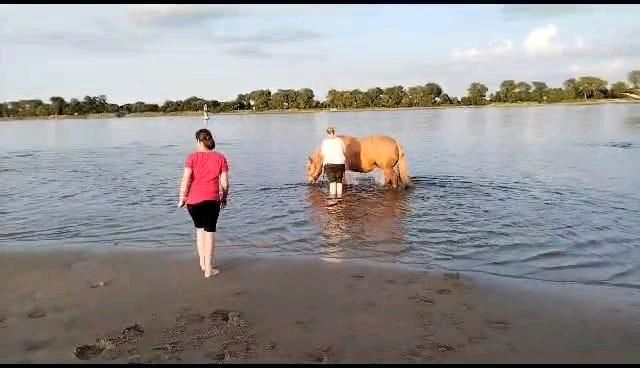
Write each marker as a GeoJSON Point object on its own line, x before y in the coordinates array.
{"type": "Point", "coordinates": [204, 190]}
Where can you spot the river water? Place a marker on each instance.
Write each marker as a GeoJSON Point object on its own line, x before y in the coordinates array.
{"type": "Point", "coordinates": [549, 193]}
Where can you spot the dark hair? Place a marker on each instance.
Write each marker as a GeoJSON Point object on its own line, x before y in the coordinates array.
{"type": "Point", "coordinates": [204, 136]}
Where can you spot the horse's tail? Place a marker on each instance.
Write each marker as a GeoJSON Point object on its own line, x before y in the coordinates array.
{"type": "Point", "coordinates": [403, 169]}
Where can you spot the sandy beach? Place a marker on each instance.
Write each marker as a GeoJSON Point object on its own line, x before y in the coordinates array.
{"type": "Point", "coordinates": [72, 306]}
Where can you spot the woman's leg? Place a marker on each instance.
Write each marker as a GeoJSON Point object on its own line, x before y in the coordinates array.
{"type": "Point", "coordinates": [200, 245]}
{"type": "Point", "coordinates": [209, 248]}
{"type": "Point", "coordinates": [333, 189]}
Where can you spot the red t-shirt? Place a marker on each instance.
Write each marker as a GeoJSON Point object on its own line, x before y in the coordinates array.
{"type": "Point", "coordinates": [205, 183]}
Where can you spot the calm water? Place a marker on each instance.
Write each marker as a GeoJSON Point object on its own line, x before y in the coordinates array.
{"type": "Point", "coordinates": [550, 193]}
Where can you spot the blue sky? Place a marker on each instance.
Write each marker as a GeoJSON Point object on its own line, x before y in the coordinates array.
{"type": "Point", "coordinates": [158, 52]}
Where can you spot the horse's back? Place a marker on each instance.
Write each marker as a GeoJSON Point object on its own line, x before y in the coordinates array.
{"type": "Point", "coordinates": [372, 140]}
{"type": "Point", "coordinates": [366, 153]}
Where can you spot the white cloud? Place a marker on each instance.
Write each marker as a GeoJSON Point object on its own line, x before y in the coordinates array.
{"type": "Point", "coordinates": [468, 54]}
{"type": "Point", "coordinates": [179, 14]}
{"type": "Point", "coordinates": [501, 47]}
{"type": "Point", "coordinates": [495, 48]}
{"type": "Point", "coordinates": [541, 41]}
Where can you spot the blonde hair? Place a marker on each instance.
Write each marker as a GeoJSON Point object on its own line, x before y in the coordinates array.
{"type": "Point", "coordinates": [331, 130]}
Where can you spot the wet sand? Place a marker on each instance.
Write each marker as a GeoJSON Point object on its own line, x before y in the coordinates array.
{"type": "Point", "coordinates": [155, 306]}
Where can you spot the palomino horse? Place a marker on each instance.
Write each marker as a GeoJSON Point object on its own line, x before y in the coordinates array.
{"type": "Point", "coordinates": [367, 154]}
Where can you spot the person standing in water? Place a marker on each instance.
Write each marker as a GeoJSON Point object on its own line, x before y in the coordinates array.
{"type": "Point", "coordinates": [204, 190]}
{"type": "Point", "coordinates": [334, 160]}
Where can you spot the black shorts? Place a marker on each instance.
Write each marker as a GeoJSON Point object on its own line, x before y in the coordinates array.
{"type": "Point", "coordinates": [205, 215]}
{"type": "Point", "coordinates": [334, 172]}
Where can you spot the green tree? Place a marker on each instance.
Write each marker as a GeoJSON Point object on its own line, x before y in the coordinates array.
{"type": "Point", "coordinates": [419, 96]}
{"type": "Point", "coordinates": [73, 107]}
{"type": "Point", "coordinates": [524, 91]}
{"type": "Point", "coordinates": [260, 99]}
{"type": "Point", "coordinates": [507, 91]}
{"type": "Point", "coordinates": [57, 105]}
{"type": "Point", "coordinates": [242, 102]}
{"type": "Point", "coordinates": [477, 93]}
{"type": "Point", "coordinates": [194, 103]}
{"type": "Point", "coordinates": [374, 97]}
{"type": "Point", "coordinates": [393, 96]}
{"type": "Point", "coordinates": [571, 87]}
{"type": "Point", "coordinates": [539, 91]}
{"type": "Point", "coordinates": [618, 88]}
{"type": "Point", "coordinates": [333, 98]}
{"type": "Point", "coordinates": [169, 106]}
{"type": "Point", "coordinates": [283, 99]}
{"type": "Point", "coordinates": [434, 90]}
{"type": "Point", "coordinates": [358, 99]}
{"type": "Point", "coordinates": [304, 98]}
{"type": "Point", "coordinates": [634, 78]}
{"type": "Point", "coordinates": [592, 87]}
{"type": "Point", "coordinates": [556, 95]}
{"type": "Point", "coordinates": [445, 99]}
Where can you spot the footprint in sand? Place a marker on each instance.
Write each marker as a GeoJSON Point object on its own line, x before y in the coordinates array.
{"type": "Point", "coordinates": [444, 347]}
{"type": "Point", "coordinates": [357, 276]}
{"type": "Point", "coordinates": [498, 324]}
{"type": "Point", "coordinates": [87, 352]}
{"type": "Point", "coordinates": [230, 317]}
{"type": "Point", "coordinates": [136, 329]}
{"type": "Point", "coordinates": [100, 284]}
{"type": "Point", "coordinates": [171, 347]}
{"type": "Point", "coordinates": [218, 356]}
{"type": "Point", "coordinates": [391, 282]}
{"type": "Point", "coordinates": [443, 291]}
{"type": "Point", "coordinates": [421, 299]}
{"type": "Point", "coordinates": [37, 313]}
{"type": "Point", "coordinates": [129, 335]}
{"type": "Point", "coordinates": [219, 315]}
{"type": "Point", "coordinates": [190, 318]}
{"type": "Point", "coordinates": [322, 354]}
{"type": "Point", "coordinates": [270, 346]}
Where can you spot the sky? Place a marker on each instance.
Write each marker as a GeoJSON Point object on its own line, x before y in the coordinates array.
{"type": "Point", "coordinates": [152, 53]}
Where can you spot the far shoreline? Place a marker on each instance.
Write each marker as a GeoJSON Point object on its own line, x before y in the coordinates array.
{"type": "Point", "coordinates": [319, 110]}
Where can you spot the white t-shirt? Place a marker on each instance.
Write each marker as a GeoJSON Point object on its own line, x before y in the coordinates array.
{"type": "Point", "coordinates": [333, 151]}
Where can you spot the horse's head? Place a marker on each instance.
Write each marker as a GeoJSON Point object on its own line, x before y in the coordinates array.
{"type": "Point", "coordinates": [314, 168]}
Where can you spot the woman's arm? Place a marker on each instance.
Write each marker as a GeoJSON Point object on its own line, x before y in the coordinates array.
{"type": "Point", "coordinates": [185, 184]}
{"type": "Point", "coordinates": [224, 188]}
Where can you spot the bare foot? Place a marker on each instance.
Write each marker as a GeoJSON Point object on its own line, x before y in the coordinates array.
{"type": "Point", "coordinates": [214, 272]}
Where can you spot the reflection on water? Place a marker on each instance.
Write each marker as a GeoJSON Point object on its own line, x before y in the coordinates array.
{"type": "Point", "coordinates": [549, 193]}
{"type": "Point", "coordinates": [366, 217]}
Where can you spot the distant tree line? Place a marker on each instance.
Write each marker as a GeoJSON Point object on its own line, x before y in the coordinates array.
{"type": "Point", "coordinates": [430, 94]}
